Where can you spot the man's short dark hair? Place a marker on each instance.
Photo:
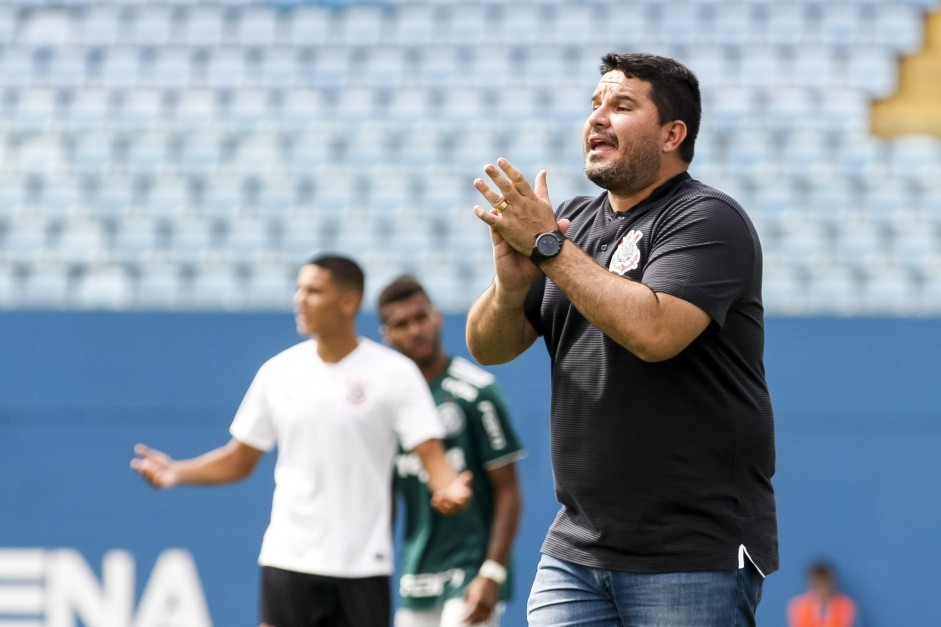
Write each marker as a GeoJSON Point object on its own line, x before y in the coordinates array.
{"type": "Point", "coordinates": [346, 273]}
{"type": "Point", "coordinates": [400, 288]}
{"type": "Point", "coordinates": [674, 90]}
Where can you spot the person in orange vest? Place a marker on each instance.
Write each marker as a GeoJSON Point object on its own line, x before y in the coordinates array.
{"type": "Point", "coordinates": [822, 605]}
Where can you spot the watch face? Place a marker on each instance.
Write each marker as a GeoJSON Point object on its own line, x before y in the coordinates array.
{"type": "Point", "coordinates": [548, 245]}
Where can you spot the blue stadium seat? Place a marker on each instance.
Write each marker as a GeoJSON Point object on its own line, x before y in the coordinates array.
{"type": "Point", "coordinates": [91, 153]}
{"type": "Point", "coordinates": [25, 240]}
{"type": "Point", "coordinates": [782, 291]}
{"type": "Point", "coordinates": [220, 197]}
{"type": "Point", "coordinates": [890, 291]}
{"type": "Point", "coordinates": [46, 286]}
{"type": "Point", "coordinates": [101, 25]}
{"type": "Point", "coordinates": [104, 287]}
{"type": "Point", "coordinates": [930, 295]}
{"type": "Point", "coordinates": [248, 241]}
{"type": "Point", "coordinates": [159, 286]}
{"type": "Point", "coordinates": [152, 25]}
{"type": "Point", "coordinates": [897, 26]}
{"type": "Point", "coordinates": [834, 291]}
{"type": "Point", "coordinates": [278, 67]}
{"type": "Point", "coordinates": [16, 66]}
{"type": "Point", "coordinates": [270, 287]}
{"type": "Point", "coordinates": [917, 247]}
{"type": "Point", "coordinates": [141, 109]}
{"type": "Point", "coordinates": [204, 25]}
{"type": "Point", "coordinates": [9, 287]}
{"type": "Point", "coordinates": [35, 110]}
{"type": "Point", "coordinates": [68, 68]}
{"type": "Point", "coordinates": [81, 241]}
{"type": "Point", "coordinates": [89, 109]}
{"type": "Point", "coordinates": [119, 68]}
{"type": "Point", "coordinates": [226, 68]}
{"type": "Point", "coordinates": [135, 240]}
{"type": "Point", "coordinates": [309, 26]}
{"type": "Point", "coordinates": [58, 197]}
{"type": "Point", "coordinates": [257, 27]}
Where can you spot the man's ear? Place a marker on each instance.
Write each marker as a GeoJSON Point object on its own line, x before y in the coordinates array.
{"type": "Point", "coordinates": [675, 134]}
{"type": "Point", "coordinates": [350, 302]}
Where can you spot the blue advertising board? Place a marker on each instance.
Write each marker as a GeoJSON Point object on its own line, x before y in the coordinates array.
{"type": "Point", "coordinates": [84, 541]}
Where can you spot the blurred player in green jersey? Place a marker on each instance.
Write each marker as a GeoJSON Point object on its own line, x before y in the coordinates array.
{"type": "Point", "coordinates": [453, 571]}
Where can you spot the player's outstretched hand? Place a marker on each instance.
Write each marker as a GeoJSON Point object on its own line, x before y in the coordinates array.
{"type": "Point", "coordinates": [455, 498]}
{"type": "Point", "coordinates": [155, 466]}
{"type": "Point", "coordinates": [480, 598]}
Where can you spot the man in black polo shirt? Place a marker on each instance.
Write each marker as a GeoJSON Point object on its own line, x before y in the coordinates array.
{"type": "Point", "coordinates": [648, 298]}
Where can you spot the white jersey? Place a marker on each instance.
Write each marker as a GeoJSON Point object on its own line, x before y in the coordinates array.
{"type": "Point", "coordinates": [337, 428]}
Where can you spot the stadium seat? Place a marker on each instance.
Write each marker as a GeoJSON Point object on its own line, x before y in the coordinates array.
{"type": "Point", "coordinates": [35, 110]}
{"type": "Point", "coordinates": [930, 296]}
{"type": "Point", "coordinates": [413, 24]}
{"type": "Point", "coordinates": [141, 109]}
{"type": "Point", "coordinates": [91, 153]}
{"type": "Point", "coordinates": [89, 109]}
{"type": "Point", "coordinates": [833, 291]}
{"type": "Point", "coordinates": [270, 287]}
{"type": "Point", "coordinates": [16, 66]}
{"type": "Point", "coordinates": [46, 286]}
{"type": "Point", "coordinates": [441, 65]}
{"type": "Point", "coordinates": [278, 67]}
{"type": "Point", "coordinates": [890, 291]}
{"type": "Point", "coordinates": [25, 240]}
{"type": "Point", "coordinates": [204, 25]}
{"type": "Point", "coordinates": [248, 241]}
{"type": "Point", "coordinates": [782, 291]}
{"type": "Point", "coordinates": [309, 26]}
{"type": "Point", "coordinates": [135, 240]}
{"type": "Point", "coordinates": [784, 24]}
{"type": "Point", "coordinates": [105, 287]}
{"type": "Point", "coordinates": [897, 26]}
{"type": "Point", "coordinates": [159, 286]}
{"type": "Point", "coordinates": [259, 154]}
{"type": "Point", "coordinates": [916, 159]}
{"type": "Point", "coordinates": [220, 196]}
{"type": "Point", "coordinates": [57, 197]}
{"type": "Point", "coordinates": [68, 68]}
{"type": "Point", "coordinates": [39, 155]}
{"type": "Point", "coordinates": [192, 240]}
{"type": "Point", "coordinates": [225, 68]}
{"type": "Point", "coordinates": [917, 247]}
{"type": "Point", "coordinates": [152, 25]}
{"type": "Point", "coordinates": [119, 68]}
{"type": "Point", "coordinates": [862, 245]}
{"type": "Point", "coordinates": [841, 24]}
{"type": "Point", "coordinates": [81, 241]}
{"type": "Point", "coordinates": [101, 25]}
{"type": "Point", "coordinates": [302, 109]}
{"type": "Point", "coordinates": [257, 27]}
{"type": "Point", "coordinates": [359, 23]}
{"type": "Point", "coordinates": [9, 287]}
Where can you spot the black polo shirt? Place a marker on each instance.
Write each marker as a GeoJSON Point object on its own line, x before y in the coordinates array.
{"type": "Point", "coordinates": [663, 467]}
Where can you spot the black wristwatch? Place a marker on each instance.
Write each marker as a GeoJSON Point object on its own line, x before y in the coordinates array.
{"type": "Point", "coordinates": [548, 245]}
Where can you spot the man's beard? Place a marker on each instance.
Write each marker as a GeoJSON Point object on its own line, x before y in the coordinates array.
{"type": "Point", "coordinates": [628, 174]}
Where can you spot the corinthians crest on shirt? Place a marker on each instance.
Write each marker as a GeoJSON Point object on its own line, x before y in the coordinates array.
{"type": "Point", "coordinates": [627, 255]}
{"type": "Point", "coordinates": [355, 392]}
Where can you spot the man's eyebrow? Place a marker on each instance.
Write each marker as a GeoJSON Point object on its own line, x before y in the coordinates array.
{"type": "Point", "coordinates": [622, 96]}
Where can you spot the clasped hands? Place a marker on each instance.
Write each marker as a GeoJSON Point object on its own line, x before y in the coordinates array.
{"type": "Point", "coordinates": [518, 212]}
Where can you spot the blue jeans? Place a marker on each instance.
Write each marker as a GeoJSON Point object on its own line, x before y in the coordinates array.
{"type": "Point", "coordinates": [569, 595]}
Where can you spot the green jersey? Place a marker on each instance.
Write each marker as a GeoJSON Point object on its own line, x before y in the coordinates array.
{"type": "Point", "coordinates": [441, 554]}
